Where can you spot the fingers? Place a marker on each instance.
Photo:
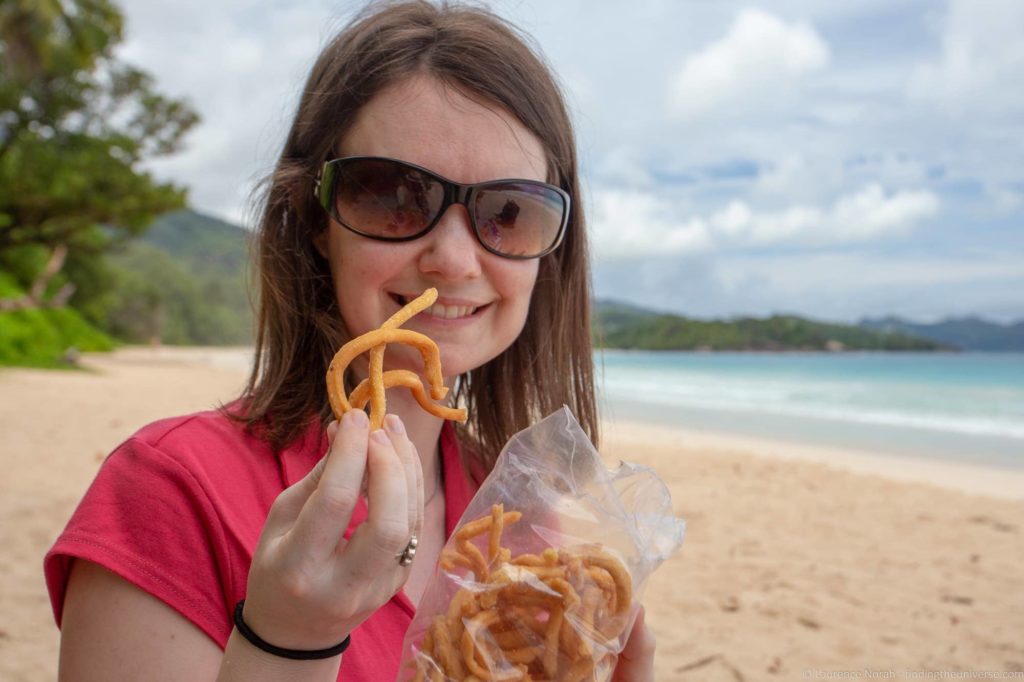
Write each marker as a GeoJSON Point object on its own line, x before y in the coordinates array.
{"type": "Point", "coordinates": [328, 509]}
{"type": "Point", "coordinates": [378, 542]}
{"type": "Point", "coordinates": [636, 662]}
{"type": "Point", "coordinates": [413, 471]}
{"type": "Point", "coordinates": [314, 513]}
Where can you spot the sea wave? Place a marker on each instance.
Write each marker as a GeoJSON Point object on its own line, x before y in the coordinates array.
{"type": "Point", "coordinates": [978, 412]}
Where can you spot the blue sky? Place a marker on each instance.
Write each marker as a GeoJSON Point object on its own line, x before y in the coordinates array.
{"type": "Point", "coordinates": [836, 160]}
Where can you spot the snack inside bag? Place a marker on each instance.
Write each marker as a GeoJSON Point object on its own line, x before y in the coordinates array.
{"type": "Point", "coordinates": [543, 577]}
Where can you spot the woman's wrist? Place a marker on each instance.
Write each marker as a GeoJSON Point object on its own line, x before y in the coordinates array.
{"type": "Point", "coordinates": [282, 652]}
{"type": "Point", "coordinates": [243, 662]}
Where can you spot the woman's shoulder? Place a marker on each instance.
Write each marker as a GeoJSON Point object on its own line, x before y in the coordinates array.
{"type": "Point", "coordinates": [221, 453]}
{"type": "Point", "coordinates": [196, 430]}
{"type": "Point", "coordinates": [210, 446]}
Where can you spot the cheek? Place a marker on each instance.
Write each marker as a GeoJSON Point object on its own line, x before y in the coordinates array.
{"type": "Point", "coordinates": [357, 273]}
{"type": "Point", "coordinates": [518, 284]}
{"type": "Point", "coordinates": [349, 260]}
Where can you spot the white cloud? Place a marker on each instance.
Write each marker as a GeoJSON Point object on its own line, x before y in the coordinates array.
{"type": "Point", "coordinates": [870, 213]}
{"type": "Point", "coordinates": [634, 223]}
{"type": "Point", "coordinates": [982, 60]}
{"type": "Point", "coordinates": [758, 60]}
{"type": "Point", "coordinates": [863, 216]}
{"type": "Point", "coordinates": [854, 272]}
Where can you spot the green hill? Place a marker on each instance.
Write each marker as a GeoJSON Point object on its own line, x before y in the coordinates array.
{"type": "Point", "coordinates": [618, 325]}
{"type": "Point", "coordinates": [200, 241]}
{"type": "Point", "coordinates": [967, 333]}
{"type": "Point", "coordinates": [183, 282]}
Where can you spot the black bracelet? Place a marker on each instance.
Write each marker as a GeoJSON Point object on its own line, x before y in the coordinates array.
{"type": "Point", "coordinates": [294, 654]}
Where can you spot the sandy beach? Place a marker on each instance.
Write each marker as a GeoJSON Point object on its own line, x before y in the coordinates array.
{"type": "Point", "coordinates": [799, 562]}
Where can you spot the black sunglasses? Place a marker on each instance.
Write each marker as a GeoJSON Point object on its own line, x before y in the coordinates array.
{"type": "Point", "coordinates": [392, 200]}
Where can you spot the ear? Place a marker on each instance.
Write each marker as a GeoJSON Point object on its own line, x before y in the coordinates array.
{"type": "Point", "coordinates": [321, 241]}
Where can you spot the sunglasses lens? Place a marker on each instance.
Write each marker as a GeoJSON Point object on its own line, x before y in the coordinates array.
{"type": "Point", "coordinates": [519, 219]}
{"type": "Point", "coordinates": [383, 198]}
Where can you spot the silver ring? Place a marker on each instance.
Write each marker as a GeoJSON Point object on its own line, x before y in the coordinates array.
{"type": "Point", "coordinates": [409, 553]}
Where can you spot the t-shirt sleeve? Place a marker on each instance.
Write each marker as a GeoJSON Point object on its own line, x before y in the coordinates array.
{"type": "Point", "coordinates": [147, 518]}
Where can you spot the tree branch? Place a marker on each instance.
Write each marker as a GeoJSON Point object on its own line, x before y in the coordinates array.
{"type": "Point", "coordinates": [34, 297]}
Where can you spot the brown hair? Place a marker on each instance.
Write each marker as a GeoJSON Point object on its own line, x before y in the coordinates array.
{"type": "Point", "coordinates": [299, 324]}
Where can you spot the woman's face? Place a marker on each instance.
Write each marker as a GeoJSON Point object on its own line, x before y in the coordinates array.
{"type": "Point", "coordinates": [483, 299]}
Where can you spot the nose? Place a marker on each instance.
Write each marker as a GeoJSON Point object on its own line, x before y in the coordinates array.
{"type": "Point", "coordinates": [451, 250]}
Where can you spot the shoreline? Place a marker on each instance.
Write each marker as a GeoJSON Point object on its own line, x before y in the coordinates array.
{"type": "Point", "coordinates": [964, 409]}
{"type": "Point", "coordinates": [973, 479]}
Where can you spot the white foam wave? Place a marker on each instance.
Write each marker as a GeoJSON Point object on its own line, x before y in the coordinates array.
{"type": "Point", "coordinates": [996, 412]}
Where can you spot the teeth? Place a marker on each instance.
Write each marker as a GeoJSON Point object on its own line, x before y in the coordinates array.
{"type": "Point", "coordinates": [450, 312]}
{"type": "Point", "coordinates": [447, 312]}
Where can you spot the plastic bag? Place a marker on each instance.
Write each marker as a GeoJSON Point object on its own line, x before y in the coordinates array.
{"type": "Point", "coordinates": [551, 594]}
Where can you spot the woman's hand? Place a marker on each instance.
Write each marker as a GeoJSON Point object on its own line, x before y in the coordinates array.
{"type": "Point", "coordinates": [308, 587]}
{"type": "Point", "coordinates": [636, 662]}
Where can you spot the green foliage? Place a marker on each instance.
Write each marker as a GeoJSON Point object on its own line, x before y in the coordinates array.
{"type": "Point", "coordinates": [56, 190]}
{"type": "Point", "coordinates": [9, 286]}
{"type": "Point", "coordinates": [620, 326]}
{"type": "Point", "coordinates": [184, 282]}
{"type": "Point", "coordinates": [42, 337]}
{"type": "Point", "coordinates": [75, 126]}
{"type": "Point", "coordinates": [94, 278]}
{"type": "Point", "coordinates": [156, 297]}
{"type": "Point", "coordinates": [22, 264]}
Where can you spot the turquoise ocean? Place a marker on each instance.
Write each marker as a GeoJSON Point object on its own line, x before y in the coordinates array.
{"type": "Point", "coordinates": [963, 407]}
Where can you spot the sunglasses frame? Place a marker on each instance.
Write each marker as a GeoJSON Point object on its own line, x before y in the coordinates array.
{"type": "Point", "coordinates": [454, 193]}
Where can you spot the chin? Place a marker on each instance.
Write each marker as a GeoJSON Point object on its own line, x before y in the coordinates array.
{"type": "Point", "coordinates": [454, 363]}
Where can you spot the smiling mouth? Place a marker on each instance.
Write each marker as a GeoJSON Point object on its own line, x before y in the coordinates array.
{"type": "Point", "coordinates": [445, 312]}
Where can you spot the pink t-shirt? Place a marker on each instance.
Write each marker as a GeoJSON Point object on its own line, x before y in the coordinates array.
{"type": "Point", "coordinates": [177, 510]}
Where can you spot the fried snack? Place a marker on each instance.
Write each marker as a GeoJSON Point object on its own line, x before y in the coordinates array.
{"type": "Point", "coordinates": [556, 615]}
{"type": "Point", "coordinates": [403, 377]}
{"type": "Point", "coordinates": [372, 389]}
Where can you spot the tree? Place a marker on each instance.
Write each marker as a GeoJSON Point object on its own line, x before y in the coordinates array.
{"type": "Point", "coordinates": [75, 126]}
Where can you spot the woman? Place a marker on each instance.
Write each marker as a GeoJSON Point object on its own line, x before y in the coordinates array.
{"type": "Point", "coordinates": [194, 514]}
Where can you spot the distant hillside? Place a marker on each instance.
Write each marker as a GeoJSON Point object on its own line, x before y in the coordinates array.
{"type": "Point", "coordinates": [613, 317]}
{"type": "Point", "coordinates": [966, 333]}
{"type": "Point", "coordinates": [619, 325]}
{"type": "Point", "coordinates": [201, 241]}
{"type": "Point", "coordinates": [183, 282]}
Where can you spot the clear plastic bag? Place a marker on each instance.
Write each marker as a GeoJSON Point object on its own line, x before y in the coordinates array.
{"type": "Point", "coordinates": [543, 577]}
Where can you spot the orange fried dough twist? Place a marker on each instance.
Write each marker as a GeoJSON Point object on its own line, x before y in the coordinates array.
{"type": "Point", "coordinates": [555, 615]}
{"type": "Point", "coordinates": [372, 389]}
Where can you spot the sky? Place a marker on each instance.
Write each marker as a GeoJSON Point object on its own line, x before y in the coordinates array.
{"type": "Point", "coordinates": [835, 160]}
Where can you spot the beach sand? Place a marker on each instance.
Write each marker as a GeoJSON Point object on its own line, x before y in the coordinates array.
{"type": "Point", "coordinates": [799, 562]}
